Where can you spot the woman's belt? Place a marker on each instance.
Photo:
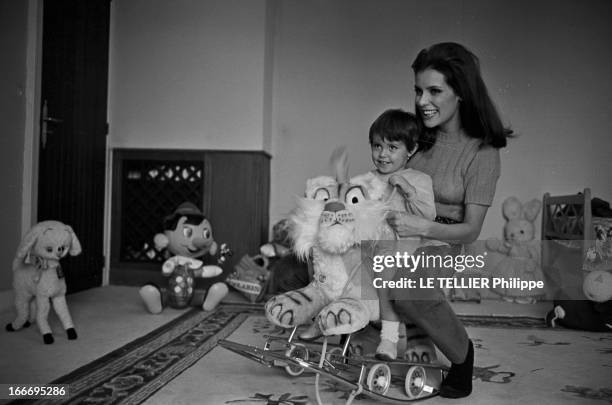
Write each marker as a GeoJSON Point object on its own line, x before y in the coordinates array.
{"type": "Point", "coordinates": [446, 220]}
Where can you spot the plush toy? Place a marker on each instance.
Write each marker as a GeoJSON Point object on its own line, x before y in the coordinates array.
{"type": "Point", "coordinates": [520, 251]}
{"type": "Point", "coordinates": [276, 269]}
{"type": "Point", "coordinates": [597, 286]}
{"type": "Point", "coordinates": [594, 314]}
{"type": "Point", "coordinates": [187, 236]}
{"type": "Point", "coordinates": [38, 279]}
{"type": "Point", "coordinates": [280, 245]}
{"type": "Point", "coordinates": [287, 271]}
{"type": "Point", "coordinates": [327, 228]}
{"type": "Point", "coordinates": [599, 254]}
{"type": "Point", "coordinates": [250, 277]}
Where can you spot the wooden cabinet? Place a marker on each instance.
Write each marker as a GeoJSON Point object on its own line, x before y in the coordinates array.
{"type": "Point", "coordinates": [231, 188]}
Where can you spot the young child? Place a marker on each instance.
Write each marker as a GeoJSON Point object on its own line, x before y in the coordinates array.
{"type": "Point", "coordinates": [393, 140]}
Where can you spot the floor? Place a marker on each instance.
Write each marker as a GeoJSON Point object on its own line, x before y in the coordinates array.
{"type": "Point", "coordinates": [107, 318]}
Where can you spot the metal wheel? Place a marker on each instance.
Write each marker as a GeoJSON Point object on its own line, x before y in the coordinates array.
{"type": "Point", "coordinates": [333, 355]}
{"type": "Point", "coordinates": [379, 378]}
{"type": "Point", "coordinates": [415, 381]}
{"type": "Point", "coordinates": [296, 351]}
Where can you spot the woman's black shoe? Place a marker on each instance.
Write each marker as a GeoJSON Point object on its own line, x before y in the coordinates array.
{"type": "Point", "coordinates": [458, 381]}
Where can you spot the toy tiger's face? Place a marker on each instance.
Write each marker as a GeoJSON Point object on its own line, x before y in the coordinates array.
{"type": "Point", "coordinates": [335, 216]}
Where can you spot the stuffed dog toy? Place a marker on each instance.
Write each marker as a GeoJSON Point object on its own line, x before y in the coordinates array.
{"type": "Point", "coordinates": [38, 279]}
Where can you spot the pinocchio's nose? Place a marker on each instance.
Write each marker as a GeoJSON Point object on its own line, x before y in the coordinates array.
{"type": "Point", "coordinates": [200, 242]}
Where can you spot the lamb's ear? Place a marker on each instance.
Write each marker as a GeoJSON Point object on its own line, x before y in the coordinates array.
{"type": "Point", "coordinates": [75, 247]}
{"type": "Point", "coordinates": [532, 209]}
{"type": "Point", "coordinates": [28, 241]}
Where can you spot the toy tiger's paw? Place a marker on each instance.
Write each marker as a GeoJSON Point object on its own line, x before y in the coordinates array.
{"type": "Point", "coordinates": [290, 309]}
{"type": "Point", "coordinates": [343, 316]}
{"type": "Point", "coordinates": [420, 351]}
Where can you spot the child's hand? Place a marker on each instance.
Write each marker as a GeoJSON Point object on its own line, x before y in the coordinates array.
{"type": "Point", "coordinates": [407, 190]}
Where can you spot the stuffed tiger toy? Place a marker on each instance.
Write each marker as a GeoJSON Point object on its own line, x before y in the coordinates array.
{"type": "Point", "coordinates": [328, 227]}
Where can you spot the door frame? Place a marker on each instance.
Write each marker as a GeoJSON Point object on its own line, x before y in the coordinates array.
{"type": "Point", "coordinates": [32, 113]}
{"type": "Point", "coordinates": [32, 94]}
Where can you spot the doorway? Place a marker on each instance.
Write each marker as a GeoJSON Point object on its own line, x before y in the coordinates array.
{"type": "Point", "coordinates": [73, 129]}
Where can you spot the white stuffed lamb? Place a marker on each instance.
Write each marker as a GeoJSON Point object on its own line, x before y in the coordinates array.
{"type": "Point", "coordinates": [38, 279]}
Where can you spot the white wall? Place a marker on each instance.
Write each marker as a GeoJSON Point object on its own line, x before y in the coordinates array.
{"type": "Point", "coordinates": [547, 64]}
{"type": "Point", "coordinates": [299, 77]}
{"type": "Point", "coordinates": [187, 74]}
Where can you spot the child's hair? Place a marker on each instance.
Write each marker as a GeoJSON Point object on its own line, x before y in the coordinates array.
{"type": "Point", "coordinates": [397, 125]}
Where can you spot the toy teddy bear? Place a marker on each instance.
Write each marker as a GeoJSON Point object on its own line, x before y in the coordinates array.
{"type": "Point", "coordinates": [187, 236]}
{"type": "Point", "coordinates": [38, 277]}
{"type": "Point", "coordinates": [521, 252]}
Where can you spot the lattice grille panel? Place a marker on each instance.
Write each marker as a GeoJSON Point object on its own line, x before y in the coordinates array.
{"type": "Point", "coordinates": [151, 190]}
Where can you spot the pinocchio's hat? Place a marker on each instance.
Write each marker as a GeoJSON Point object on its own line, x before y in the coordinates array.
{"type": "Point", "coordinates": [187, 208]}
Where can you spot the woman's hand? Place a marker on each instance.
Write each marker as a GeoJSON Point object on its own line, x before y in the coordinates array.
{"type": "Point", "coordinates": [406, 225]}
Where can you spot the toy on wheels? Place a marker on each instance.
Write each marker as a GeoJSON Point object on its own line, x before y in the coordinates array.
{"type": "Point", "coordinates": [397, 381]}
{"type": "Point", "coordinates": [328, 229]}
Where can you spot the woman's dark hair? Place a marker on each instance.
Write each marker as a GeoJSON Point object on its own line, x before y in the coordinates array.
{"type": "Point", "coordinates": [397, 125]}
{"type": "Point", "coordinates": [461, 69]}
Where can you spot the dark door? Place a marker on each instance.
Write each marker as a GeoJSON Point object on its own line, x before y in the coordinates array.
{"type": "Point", "coordinates": [73, 129]}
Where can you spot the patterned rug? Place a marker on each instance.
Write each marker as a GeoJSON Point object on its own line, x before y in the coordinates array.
{"type": "Point", "coordinates": [518, 360]}
{"type": "Point", "coordinates": [132, 373]}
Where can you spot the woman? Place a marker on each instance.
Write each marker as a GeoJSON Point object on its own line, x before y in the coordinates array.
{"type": "Point", "coordinates": [459, 149]}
